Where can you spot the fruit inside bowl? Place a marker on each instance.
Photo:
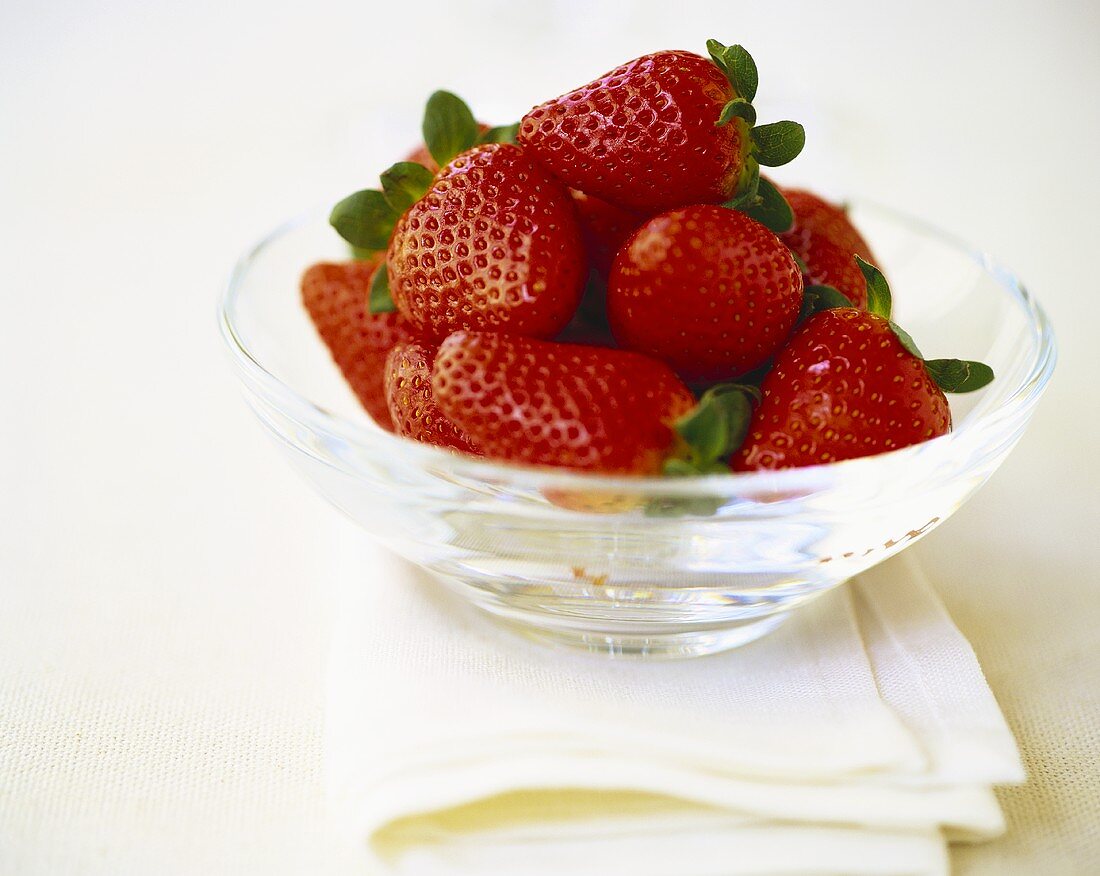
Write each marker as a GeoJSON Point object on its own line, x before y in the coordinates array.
{"type": "Point", "coordinates": [619, 387]}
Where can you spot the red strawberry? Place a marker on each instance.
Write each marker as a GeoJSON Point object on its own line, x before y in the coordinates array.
{"type": "Point", "coordinates": [604, 228]}
{"type": "Point", "coordinates": [664, 130]}
{"type": "Point", "coordinates": [493, 245]}
{"type": "Point", "coordinates": [408, 385]}
{"type": "Point", "coordinates": [825, 239]}
{"type": "Point", "coordinates": [850, 383]}
{"type": "Point", "coordinates": [335, 295]}
{"type": "Point", "coordinates": [542, 403]}
{"type": "Point", "coordinates": [843, 387]}
{"type": "Point", "coordinates": [706, 289]}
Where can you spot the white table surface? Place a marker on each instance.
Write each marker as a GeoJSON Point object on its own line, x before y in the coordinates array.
{"type": "Point", "coordinates": [163, 601]}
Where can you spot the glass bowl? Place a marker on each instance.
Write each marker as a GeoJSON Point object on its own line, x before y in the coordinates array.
{"type": "Point", "coordinates": [646, 565]}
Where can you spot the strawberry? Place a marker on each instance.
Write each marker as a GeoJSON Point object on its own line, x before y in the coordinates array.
{"type": "Point", "coordinates": [851, 383]}
{"type": "Point", "coordinates": [542, 403]}
{"type": "Point", "coordinates": [335, 295]}
{"type": "Point", "coordinates": [665, 130]}
{"type": "Point", "coordinates": [604, 228]}
{"type": "Point", "coordinates": [825, 240]}
{"type": "Point", "coordinates": [408, 392]}
{"type": "Point", "coordinates": [706, 289]}
{"type": "Point", "coordinates": [491, 242]}
{"type": "Point", "coordinates": [493, 245]}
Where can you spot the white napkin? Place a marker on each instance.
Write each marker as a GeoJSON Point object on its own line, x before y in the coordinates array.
{"type": "Point", "coordinates": [454, 746]}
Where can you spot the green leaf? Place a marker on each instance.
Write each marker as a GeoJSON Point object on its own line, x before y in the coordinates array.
{"type": "Point", "coordinates": [404, 184]}
{"type": "Point", "coordinates": [738, 66]}
{"type": "Point", "coordinates": [742, 71]}
{"type": "Point", "coordinates": [959, 375]}
{"type": "Point", "coordinates": [380, 299]}
{"type": "Point", "coordinates": [778, 143]}
{"type": "Point", "coordinates": [449, 127]}
{"type": "Point", "coordinates": [718, 424]}
{"type": "Point", "coordinates": [817, 298]}
{"type": "Point", "coordinates": [827, 298]}
{"type": "Point", "coordinates": [906, 339]}
{"type": "Point", "coordinates": [772, 210]}
{"type": "Point", "coordinates": [737, 108]}
{"type": "Point", "coordinates": [364, 219]}
{"type": "Point", "coordinates": [360, 254]}
{"type": "Point", "coordinates": [500, 134]}
{"type": "Point", "coordinates": [878, 290]}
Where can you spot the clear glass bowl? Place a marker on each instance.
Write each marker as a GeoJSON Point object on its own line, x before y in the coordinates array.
{"type": "Point", "coordinates": [646, 565]}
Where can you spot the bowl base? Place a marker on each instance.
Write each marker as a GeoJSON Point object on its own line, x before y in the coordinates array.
{"type": "Point", "coordinates": [617, 638]}
{"type": "Point", "coordinates": [663, 645]}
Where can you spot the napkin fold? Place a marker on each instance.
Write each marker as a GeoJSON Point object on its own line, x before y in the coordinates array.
{"type": "Point", "coordinates": [857, 738]}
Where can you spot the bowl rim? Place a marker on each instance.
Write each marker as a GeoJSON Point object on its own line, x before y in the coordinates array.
{"type": "Point", "coordinates": [1018, 402]}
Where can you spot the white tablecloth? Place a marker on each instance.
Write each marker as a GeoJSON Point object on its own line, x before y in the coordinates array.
{"type": "Point", "coordinates": [163, 615]}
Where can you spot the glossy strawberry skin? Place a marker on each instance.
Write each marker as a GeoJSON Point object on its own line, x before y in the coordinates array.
{"type": "Point", "coordinates": [493, 246]}
{"type": "Point", "coordinates": [542, 403]}
{"type": "Point", "coordinates": [826, 240]}
{"type": "Point", "coordinates": [335, 295]}
{"type": "Point", "coordinates": [408, 388]}
{"type": "Point", "coordinates": [643, 136]}
{"type": "Point", "coordinates": [708, 290]}
{"type": "Point", "coordinates": [604, 229]}
{"type": "Point", "coordinates": [843, 387]}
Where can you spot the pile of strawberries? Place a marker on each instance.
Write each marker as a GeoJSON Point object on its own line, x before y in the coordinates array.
{"type": "Point", "coordinates": [611, 285]}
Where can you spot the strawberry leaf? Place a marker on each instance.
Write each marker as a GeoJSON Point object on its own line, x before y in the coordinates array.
{"type": "Point", "coordinates": [878, 290]}
{"type": "Point", "coordinates": [449, 127]}
{"type": "Point", "coordinates": [737, 108]}
{"type": "Point", "coordinates": [380, 300]}
{"type": "Point", "coordinates": [959, 375]}
{"type": "Point", "coordinates": [717, 425]}
{"type": "Point", "coordinates": [817, 298]}
{"type": "Point", "coordinates": [404, 184]}
{"type": "Point", "coordinates": [826, 297]}
{"type": "Point", "coordinates": [778, 143]}
{"type": "Point", "coordinates": [771, 209]}
{"type": "Point", "coordinates": [364, 219]}
{"type": "Point", "coordinates": [906, 340]}
{"type": "Point", "coordinates": [500, 134]}
{"type": "Point", "coordinates": [738, 66]}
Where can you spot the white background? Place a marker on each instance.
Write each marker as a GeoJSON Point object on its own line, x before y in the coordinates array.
{"type": "Point", "coordinates": [163, 619]}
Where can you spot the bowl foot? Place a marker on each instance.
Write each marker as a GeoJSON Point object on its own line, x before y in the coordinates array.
{"type": "Point", "coordinates": [641, 642]}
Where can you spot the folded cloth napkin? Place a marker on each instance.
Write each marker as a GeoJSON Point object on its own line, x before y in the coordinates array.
{"type": "Point", "coordinates": [857, 738]}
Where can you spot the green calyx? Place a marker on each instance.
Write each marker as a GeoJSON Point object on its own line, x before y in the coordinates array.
{"type": "Point", "coordinates": [820, 297]}
{"type": "Point", "coordinates": [950, 375]}
{"type": "Point", "coordinates": [366, 219]}
{"type": "Point", "coordinates": [770, 145]}
{"type": "Point", "coordinates": [713, 430]}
